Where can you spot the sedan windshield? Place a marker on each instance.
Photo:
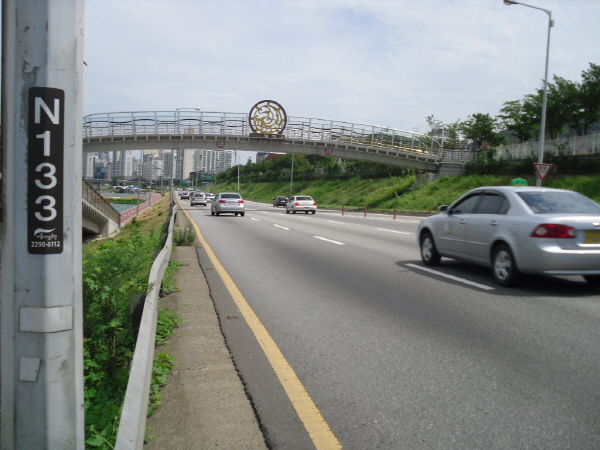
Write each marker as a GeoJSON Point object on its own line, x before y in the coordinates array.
{"type": "Point", "coordinates": [304, 198]}
{"type": "Point", "coordinates": [559, 202]}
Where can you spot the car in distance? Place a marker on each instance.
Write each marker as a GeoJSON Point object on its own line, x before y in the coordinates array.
{"type": "Point", "coordinates": [198, 198]}
{"type": "Point", "coordinates": [184, 195]}
{"type": "Point", "coordinates": [517, 230]}
{"type": "Point", "coordinates": [301, 203]}
{"type": "Point", "coordinates": [280, 200]}
{"type": "Point", "coordinates": [227, 202]}
{"type": "Point", "coordinates": [210, 196]}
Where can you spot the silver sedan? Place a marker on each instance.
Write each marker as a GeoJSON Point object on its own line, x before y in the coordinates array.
{"type": "Point", "coordinates": [301, 203]}
{"type": "Point", "coordinates": [515, 230]}
{"type": "Point", "coordinates": [227, 202]}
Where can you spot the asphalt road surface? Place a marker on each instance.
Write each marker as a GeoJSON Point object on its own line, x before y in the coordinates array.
{"type": "Point", "coordinates": [396, 357]}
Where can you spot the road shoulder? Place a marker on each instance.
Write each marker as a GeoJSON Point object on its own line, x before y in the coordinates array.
{"type": "Point", "coordinates": [204, 403]}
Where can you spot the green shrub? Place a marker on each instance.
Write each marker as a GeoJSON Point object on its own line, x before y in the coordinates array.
{"type": "Point", "coordinates": [114, 274]}
{"type": "Point", "coordinates": [184, 237]}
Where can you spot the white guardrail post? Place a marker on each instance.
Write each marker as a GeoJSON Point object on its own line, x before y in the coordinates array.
{"type": "Point", "coordinates": [132, 426]}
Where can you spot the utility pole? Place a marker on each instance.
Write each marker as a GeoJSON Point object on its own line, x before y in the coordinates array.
{"type": "Point", "coordinates": [292, 177]}
{"type": "Point", "coordinates": [42, 336]}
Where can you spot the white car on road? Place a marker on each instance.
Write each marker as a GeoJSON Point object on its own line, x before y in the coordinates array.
{"type": "Point", "coordinates": [301, 203]}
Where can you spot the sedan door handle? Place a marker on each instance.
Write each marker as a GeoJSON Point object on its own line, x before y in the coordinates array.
{"type": "Point", "coordinates": [462, 221]}
{"type": "Point", "coordinates": [494, 223]}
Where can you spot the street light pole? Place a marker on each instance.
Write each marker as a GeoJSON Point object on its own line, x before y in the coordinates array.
{"type": "Point", "coordinates": [137, 209]}
{"type": "Point", "coordinates": [545, 95]}
{"type": "Point", "coordinates": [238, 169]}
{"type": "Point", "coordinates": [292, 176]}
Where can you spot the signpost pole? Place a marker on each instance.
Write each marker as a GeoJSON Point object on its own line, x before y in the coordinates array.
{"type": "Point", "coordinates": [42, 336]}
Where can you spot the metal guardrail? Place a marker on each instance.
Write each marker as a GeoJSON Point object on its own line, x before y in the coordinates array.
{"type": "Point", "coordinates": [94, 198]}
{"type": "Point", "coordinates": [132, 426]}
{"type": "Point", "coordinates": [237, 124]}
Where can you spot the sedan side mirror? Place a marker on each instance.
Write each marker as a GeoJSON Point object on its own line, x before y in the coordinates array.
{"type": "Point", "coordinates": [443, 208]}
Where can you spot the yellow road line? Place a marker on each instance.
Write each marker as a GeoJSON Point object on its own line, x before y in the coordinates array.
{"type": "Point", "coordinates": [316, 426]}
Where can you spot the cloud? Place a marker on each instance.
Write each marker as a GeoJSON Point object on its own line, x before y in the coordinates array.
{"type": "Point", "coordinates": [389, 63]}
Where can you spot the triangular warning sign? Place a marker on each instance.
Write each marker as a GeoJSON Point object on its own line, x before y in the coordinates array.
{"type": "Point", "coordinates": [542, 170]}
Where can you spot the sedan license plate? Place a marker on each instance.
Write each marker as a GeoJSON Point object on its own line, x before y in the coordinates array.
{"type": "Point", "coordinates": [592, 236]}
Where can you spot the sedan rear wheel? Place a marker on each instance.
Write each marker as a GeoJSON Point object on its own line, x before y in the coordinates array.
{"type": "Point", "coordinates": [504, 268]}
{"type": "Point", "coordinates": [429, 253]}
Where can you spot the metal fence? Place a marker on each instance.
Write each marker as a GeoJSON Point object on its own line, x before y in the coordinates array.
{"type": "Point", "coordinates": [93, 197]}
{"type": "Point", "coordinates": [568, 146]}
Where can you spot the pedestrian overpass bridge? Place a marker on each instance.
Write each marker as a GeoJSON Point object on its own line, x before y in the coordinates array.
{"type": "Point", "coordinates": [232, 131]}
{"type": "Point", "coordinates": [98, 215]}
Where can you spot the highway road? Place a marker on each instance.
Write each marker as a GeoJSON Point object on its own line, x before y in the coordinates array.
{"type": "Point", "coordinates": [394, 356]}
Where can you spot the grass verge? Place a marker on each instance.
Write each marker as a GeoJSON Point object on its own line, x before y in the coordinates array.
{"type": "Point", "coordinates": [115, 273]}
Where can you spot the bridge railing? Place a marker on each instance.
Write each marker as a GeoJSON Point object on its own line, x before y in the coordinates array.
{"type": "Point", "coordinates": [94, 198]}
{"type": "Point", "coordinates": [236, 124]}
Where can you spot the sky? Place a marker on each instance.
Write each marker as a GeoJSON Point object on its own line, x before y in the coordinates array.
{"type": "Point", "coordinates": [389, 63]}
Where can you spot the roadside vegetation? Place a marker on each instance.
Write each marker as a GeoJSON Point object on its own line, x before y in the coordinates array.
{"type": "Point", "coordinates": [572, 109]}
{"type": "Point", "coordinates": [126, 200]}
{"type": "Point", "coordinates": [115, 279]}
{"type": "Point", "coordinates": [402, 193]}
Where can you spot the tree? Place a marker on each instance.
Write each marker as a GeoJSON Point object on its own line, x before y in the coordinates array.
{"type": "Point", "coordinates": [483, 130]}
{"type": "Point", "coordinates": [454, 136]}
{"type": "Point", "coordinates": [515, 118]}
{"type": "Point", "coordinates": [564, 107]}
{"type": "Point", "coordinates": [590, 93]}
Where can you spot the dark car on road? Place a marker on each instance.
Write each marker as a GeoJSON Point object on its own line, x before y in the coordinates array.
{"type": "Point", "coordinates": [280, 201]}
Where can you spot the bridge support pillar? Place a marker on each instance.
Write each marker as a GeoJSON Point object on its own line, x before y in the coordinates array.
{"type": "Point", "coordinates": [450, 168]}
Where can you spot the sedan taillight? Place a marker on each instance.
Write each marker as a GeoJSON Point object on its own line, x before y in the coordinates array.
{"type": "Point", "coordinates": [222, 201]}
{"type": "Point", "coordinates": [240, 201]}
{"type": "Point", "coordinates": [315, 204]}
{"type": "Point", "coordinates": [297, 204]}
{"type": "Point", "coordinates": [553, 230]}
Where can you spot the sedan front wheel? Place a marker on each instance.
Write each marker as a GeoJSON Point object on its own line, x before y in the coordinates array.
{"type": "Point", "coordinates": [429, 253]}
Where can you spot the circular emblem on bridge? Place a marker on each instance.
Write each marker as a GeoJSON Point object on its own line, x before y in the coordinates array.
{"type": "Point", "coordinates": [328, 150]}
{"type": "Point", "coordinates": [220, 144]}
{"type": "Point", "coordinates": [267, 117]}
